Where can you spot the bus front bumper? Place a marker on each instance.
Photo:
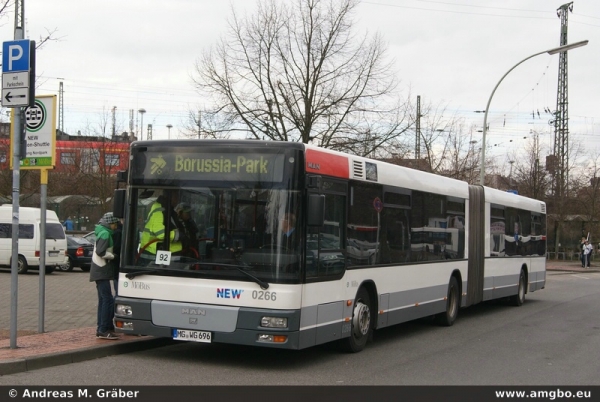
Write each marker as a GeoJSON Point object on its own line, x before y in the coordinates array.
{"type": "Point", "coordinates": [215, 324]}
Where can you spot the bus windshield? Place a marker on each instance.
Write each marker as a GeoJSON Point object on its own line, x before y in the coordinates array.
{"type": "Point", "coordinates": [247, 234]}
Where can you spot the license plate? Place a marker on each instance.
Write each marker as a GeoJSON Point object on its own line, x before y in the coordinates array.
{"type": "Point", "coordinates": [53, 253]}
{"type": "Point", "coordinates": [194, 336]}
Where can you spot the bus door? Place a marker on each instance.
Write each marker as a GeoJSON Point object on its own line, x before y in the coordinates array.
{"type": "Point", "coordinates": [325, 245]}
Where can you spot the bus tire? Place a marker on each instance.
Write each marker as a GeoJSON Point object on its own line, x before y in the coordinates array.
{"type": "Point", "coordinates": [448, 317]}
{"type": "Point", "coordinates": [361, 323]}
{"type": "Point", "coordinates": [519, 298]}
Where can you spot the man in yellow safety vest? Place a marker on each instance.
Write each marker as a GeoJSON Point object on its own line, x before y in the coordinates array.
{"type": "Point", "coordinates": [153, 235]}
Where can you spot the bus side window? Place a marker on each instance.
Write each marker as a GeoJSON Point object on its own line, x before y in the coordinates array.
{"type": "Point", "coordinates": [395, 237]}
{"type": "Point", "coordinates": [363, 245]}
{"type": "Point", "coordinates": [325, 255]}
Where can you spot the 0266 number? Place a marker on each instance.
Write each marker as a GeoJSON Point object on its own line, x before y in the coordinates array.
{"type": "Point", "coordinates": [264, 295]}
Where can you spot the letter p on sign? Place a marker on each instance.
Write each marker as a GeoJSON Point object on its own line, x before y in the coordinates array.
{"type": "Point", "coordinates": [15, 56]}
{"type": "Point", "coordinates": [15, 52]}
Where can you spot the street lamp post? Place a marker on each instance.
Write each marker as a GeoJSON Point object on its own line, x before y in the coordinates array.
{"type": "Point", "coordinates": [141, 112]}
{"type": "Point", "coordinates": [555, 50]}
{"type": "Point", "coordinates": [169, 126]}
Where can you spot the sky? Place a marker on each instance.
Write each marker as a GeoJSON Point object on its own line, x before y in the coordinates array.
{"type": "Point", "coordinates": [141, 54]}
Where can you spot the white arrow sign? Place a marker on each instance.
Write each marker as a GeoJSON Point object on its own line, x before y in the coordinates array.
{"type": "Point", "coordinates": [15, 97]}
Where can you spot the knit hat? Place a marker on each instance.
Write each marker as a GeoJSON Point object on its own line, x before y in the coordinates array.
{"type": "Point", "coordinates": [108, 218]}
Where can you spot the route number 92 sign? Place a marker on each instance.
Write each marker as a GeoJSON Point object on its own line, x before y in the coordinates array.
{"type": "Point", "coordinates": [163, 257]}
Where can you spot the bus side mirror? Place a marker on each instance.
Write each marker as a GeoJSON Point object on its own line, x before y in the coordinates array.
{"type": "Point", "coordinates": [119, 203]}
{"type": "Point", "coordinates": [121, 176]}
{"type": "Point", "coordinates": [316, 210]}
{"type": "Point", "coordinates": [313, 181]}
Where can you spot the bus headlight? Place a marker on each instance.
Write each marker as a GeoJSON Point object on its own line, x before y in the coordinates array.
{"type": "Point", "coordinates": [123, 309]}
{"type": "Point", "coordinates": [274, 322]}
{"type": "Point", "coordinates": [267, 338]}
{"type": "Point", "coordinates": [124, 325]}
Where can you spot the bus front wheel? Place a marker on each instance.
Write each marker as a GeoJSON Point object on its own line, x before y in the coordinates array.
{"type": "Point", "coordinates": [361, 323]}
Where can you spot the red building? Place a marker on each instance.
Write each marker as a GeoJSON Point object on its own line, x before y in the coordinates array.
{"type": "Point", "coordinates": [77, 153]}
{"type": "Point", "coordinates": [91, 155]}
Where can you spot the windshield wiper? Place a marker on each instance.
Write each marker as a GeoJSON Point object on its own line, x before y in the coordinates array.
{"type": "Point", "coordinates": [240, 268]}
{"type": "Point", "coordinates": [260, 282]}
{"type": "Point", "coordinates": [263, 285]}
{"type": "Point", "coordinates": [131, 275]}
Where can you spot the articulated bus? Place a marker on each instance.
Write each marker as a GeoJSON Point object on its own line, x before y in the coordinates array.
{"type": "Point", "coordinates": [371, 245]}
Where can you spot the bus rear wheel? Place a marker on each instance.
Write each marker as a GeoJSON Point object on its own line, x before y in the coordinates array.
{"type": "Point", "coordinates": [519, 298]}
{"type": "Point", "coordinates": [361, 323]}
{"type": "Point", "coordinates": [448, 317]}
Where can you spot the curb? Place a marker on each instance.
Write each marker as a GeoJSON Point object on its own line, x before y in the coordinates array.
{"type": "Point", "coordinates": [79, 355]}
{"type": "Point", "coordinates": [569, 272]}
{"type": "Point", "coordinates": [563, 268]}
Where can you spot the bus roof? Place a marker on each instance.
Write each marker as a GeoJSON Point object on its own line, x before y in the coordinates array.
{"type": "Point", "coordinates": [338, 164]}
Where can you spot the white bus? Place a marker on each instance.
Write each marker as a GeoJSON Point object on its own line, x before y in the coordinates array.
{"type": "Point", "coordinates": [373, 245]}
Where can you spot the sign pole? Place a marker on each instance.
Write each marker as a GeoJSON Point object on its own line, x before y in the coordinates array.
{"type": "Point", "coordinates": [19, 131]}
{"type": "Point", "coordinates": [14, 267]}
{"type": "Point", "coordinates": [42, 268]}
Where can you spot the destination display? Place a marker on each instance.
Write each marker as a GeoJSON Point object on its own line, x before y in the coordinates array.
{"type": "Point", "coordinates": [217, 166]}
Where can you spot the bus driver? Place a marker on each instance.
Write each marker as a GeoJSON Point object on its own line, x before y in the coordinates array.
{"type": "Point", "coordinates": [153, 234]}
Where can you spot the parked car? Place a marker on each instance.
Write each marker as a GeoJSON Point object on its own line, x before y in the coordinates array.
{"type": "Point", "coordinates": [91, 237]}
{"type": "Point", "coordinates": [30, 238]}
{"type": "Point", "coordinates": [79, 254]}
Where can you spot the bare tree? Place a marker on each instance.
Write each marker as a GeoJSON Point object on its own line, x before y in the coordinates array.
{"type": "Point", "coordinates": [587, 198]}
{"type": "Point", "coordinates": [462, 155]}
{"type": "Point", "coordinates": [585, 188]}
{"type": "Point", "coordinates": [529, 170]}
{"type": "Point", "coordinates": [94, 162]}
{"type": "Point", "coordinates": [435, 136]}
{"type": "Point", "coordinates": [209, 124]}
{"type": "Point", "coordinates": [560, 203]}
{"type": "Point", "coordinates": [296, 71]}
{"type": "Point", "coordinates": [443, 144]}
{"type": "Point", "coordinates": [92, 170]}
{"type": "Point", "coordinates": [7, 8]}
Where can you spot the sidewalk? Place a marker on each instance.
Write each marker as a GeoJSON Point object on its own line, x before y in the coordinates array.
{"type": "Point", "coordinates": [69, 323]}
{"type": "Point", "coordinates": [63, 347]}
{"type": "Point", "coordinates": [79, 344]}
{"type": "Point", "coordinates": [570, 266]}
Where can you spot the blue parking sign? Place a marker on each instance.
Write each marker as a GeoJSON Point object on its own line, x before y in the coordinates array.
{"type": "Point", "coordinates": [15, 56]}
